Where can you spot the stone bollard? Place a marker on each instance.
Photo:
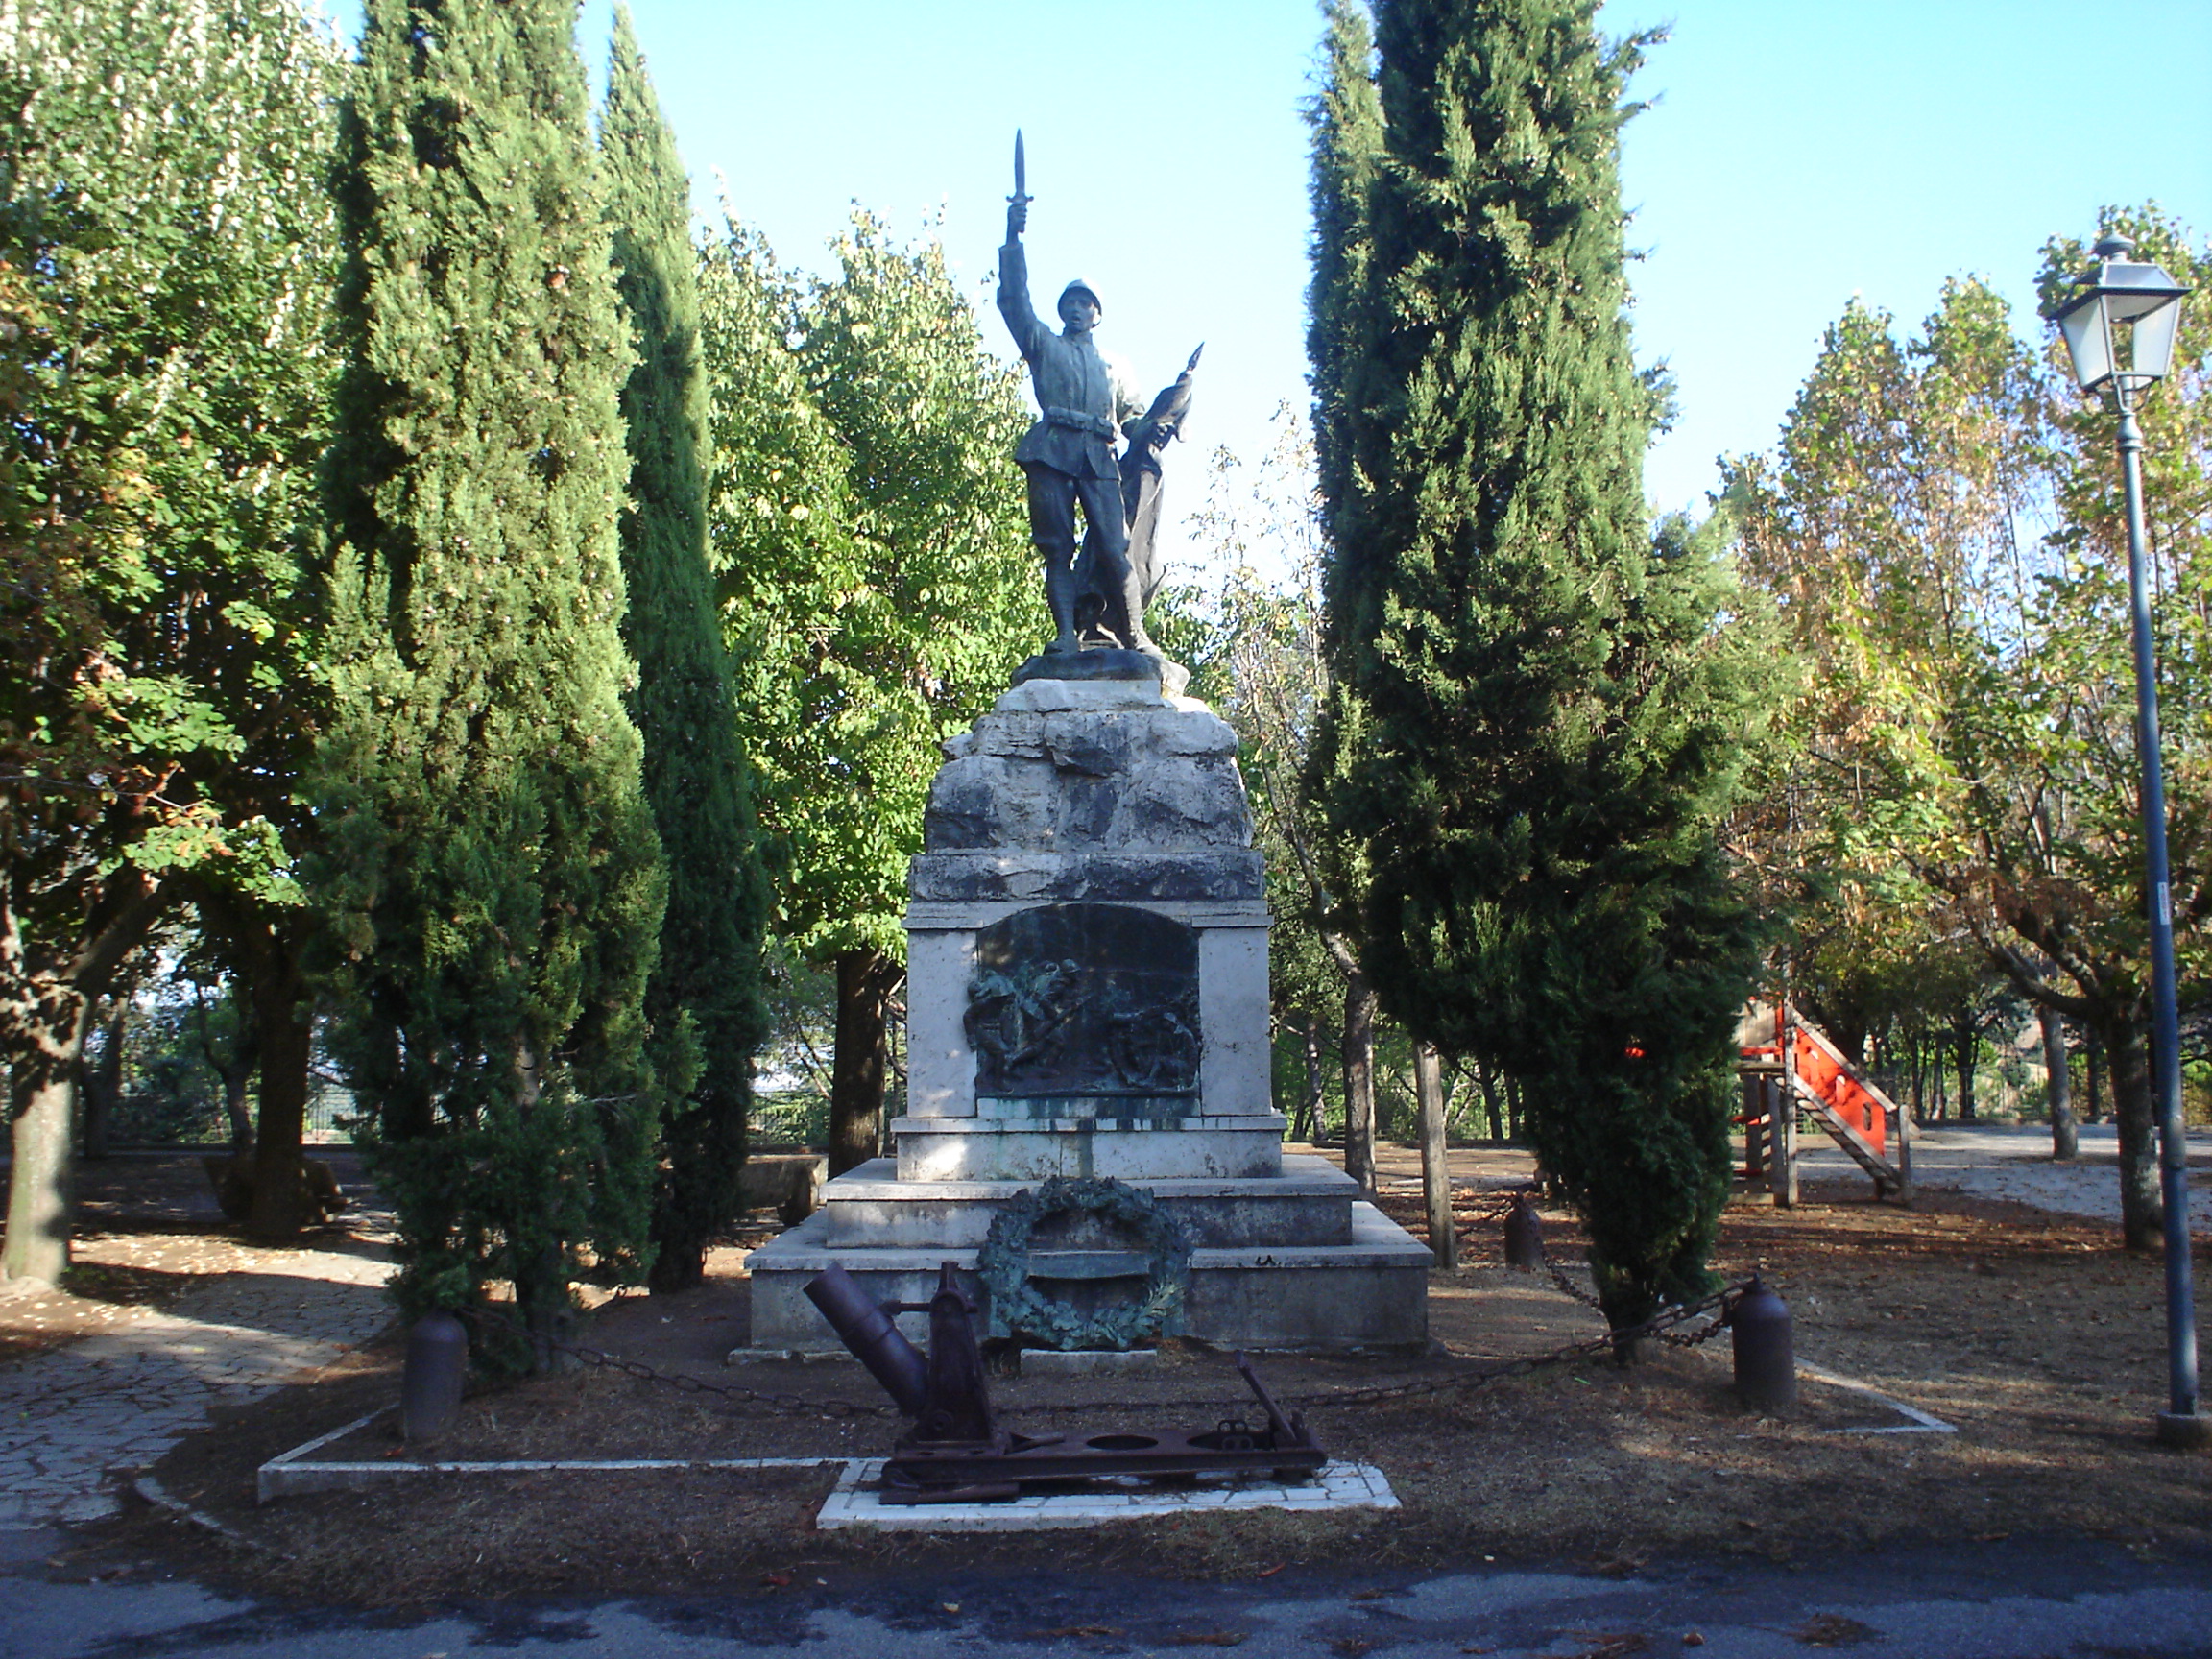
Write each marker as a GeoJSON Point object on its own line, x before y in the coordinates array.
{"type": "Point", "coordinates": [1765, 1351]}
{"type": "Point", "coordinates": [430, 1386]}
{"type": "Point", "coordinates": [1523, 1234]}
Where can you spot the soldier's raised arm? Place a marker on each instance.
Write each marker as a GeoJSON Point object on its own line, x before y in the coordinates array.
{"type": "Point", "coordinates": [1014, 306]}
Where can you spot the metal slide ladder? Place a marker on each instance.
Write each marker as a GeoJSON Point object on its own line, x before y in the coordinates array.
{"type": "Point", "coordinates": [1814, 1078]}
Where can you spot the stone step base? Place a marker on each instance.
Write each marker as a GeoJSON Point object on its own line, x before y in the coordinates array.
{"type": "Point", "coordinates": [1369, 1293]}
{"type": "Point", "coordinates": [1308, 1203]}
{"type": "Point", "coordinates": [1142, 1150]}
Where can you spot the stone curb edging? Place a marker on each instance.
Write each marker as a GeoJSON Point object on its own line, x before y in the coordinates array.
{"type": "Point", "coordinates": [292, 1474]}
{"type": "Point", "coordinates": [851, 1503]}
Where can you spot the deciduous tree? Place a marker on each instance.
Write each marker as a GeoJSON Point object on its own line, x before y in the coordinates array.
{"type": "Point", "coordinates": [876, 584]}
{"type": "Point", "coordinates": [165, 256]}
{"type": "Point", "coordinates": [1942, 526]}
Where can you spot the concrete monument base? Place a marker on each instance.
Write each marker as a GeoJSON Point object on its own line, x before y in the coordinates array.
{"type": "Point", "coordinates": [1087, 995]}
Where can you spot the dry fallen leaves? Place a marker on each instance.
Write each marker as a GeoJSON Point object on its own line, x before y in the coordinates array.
{"type": "Point", "coordinates": [1611, 1644]}
{"type": "Point", "coordinates": [1834, 1630]}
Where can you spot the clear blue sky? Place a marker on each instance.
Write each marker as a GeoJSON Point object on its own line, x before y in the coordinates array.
{"type": "Point", "coordinates": [1797, 154]}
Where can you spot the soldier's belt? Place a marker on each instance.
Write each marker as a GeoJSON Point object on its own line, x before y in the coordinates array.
{"type": "Point", "coordinates": [1075, 420]}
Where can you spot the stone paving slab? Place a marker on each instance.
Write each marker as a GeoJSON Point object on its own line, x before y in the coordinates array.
{"type": "Point", "coordinates": [119, 1399]}
{"type": "Point", "coordinates": [2013, 1162]}
{"type": "Point", "coordinates": [1338, 1487]}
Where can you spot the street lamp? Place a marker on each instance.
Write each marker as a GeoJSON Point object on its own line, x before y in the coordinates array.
{"type": "Point", "coordinates": [2134, 302]}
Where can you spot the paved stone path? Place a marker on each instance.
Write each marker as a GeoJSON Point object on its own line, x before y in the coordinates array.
{"type": "Point", "coordinates": [2006, 1160]}
{"type": "Point", "coordinates": [117, 1401]}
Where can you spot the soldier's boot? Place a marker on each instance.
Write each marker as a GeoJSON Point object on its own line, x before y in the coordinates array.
{"type": "Point", "coordinates": [1060, 595]}
{"type": "Point", "coordinates": [1133, 604]}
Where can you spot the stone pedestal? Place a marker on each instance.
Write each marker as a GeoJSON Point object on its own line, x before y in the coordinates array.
{"type": "Point", "coordinates": [1087, 995]}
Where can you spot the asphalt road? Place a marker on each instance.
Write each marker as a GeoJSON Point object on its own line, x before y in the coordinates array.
{"type": "Point", "coordinates": [2006, 1600]}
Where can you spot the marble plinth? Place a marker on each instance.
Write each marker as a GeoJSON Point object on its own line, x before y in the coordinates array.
{"type": "Point", "coordinates": [1087, 995]}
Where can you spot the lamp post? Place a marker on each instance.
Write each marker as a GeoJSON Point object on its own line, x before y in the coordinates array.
{"type": "Point", "coordinates": [2135, 300]}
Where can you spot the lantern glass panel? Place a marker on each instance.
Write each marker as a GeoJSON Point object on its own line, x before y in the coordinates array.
{"type": "Point", "coordinates": [2151, 350]}
{"type": "Point", "coordinates": [2088, 341]}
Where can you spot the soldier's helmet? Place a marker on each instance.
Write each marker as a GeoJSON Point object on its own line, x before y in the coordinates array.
{"type": "Point", "coordinates": [1085, 290]}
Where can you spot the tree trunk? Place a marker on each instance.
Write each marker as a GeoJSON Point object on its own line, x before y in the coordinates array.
{"type": "Point", "coordinates": [102, 1082]}
{"type": "Point", "coordinates": [1969, 1050]}
{"type": "Point", "coordinates": [1309, 1126]}
{"type": "Point", "coordinates": [283, 1025]}
{"type": "Point", "coordinates": [1359, 1079]}
{"type": "Point", "coordinates": [1487, 1080]}
{"type": "Point", "coordinates": [235, 1080]}
{"type": "Point", "coordinates": [46, 1003]}
{"type": "Point", "coordinates": [866, 980]}
{"type": "Point", "coordinates": [2129, 1058]}
{"type": "Point", "coordinates": [235, 1077]}
{"type": "Point", "coordinates": [39, 1186]}
{"type": "Point", "coordinates": [1435, 1172]}
{"type": "Point", "coordinates": [2065, 1135]}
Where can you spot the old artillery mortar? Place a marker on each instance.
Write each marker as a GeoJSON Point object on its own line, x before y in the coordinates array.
{"type": "Point", "coordinates": [957, 1451]}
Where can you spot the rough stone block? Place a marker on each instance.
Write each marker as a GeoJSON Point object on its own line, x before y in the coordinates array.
{"type": "Point", "coordinates": [988, 876]}
{"type": "Point", "coordinates": [1070, 804]}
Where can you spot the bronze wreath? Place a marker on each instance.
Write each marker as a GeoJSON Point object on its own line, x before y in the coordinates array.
{"type": "Point", "coordinates": [1004, 1263]}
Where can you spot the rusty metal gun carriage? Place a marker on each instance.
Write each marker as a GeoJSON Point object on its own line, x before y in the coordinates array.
{"type": "Point", "coordinates": [957, 1451]}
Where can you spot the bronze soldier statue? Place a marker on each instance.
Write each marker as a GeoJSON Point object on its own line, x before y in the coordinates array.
{"type": "Point", "coordinates": [1069, 454]}
{"type": "Point", "coordinates": [1144, 439]}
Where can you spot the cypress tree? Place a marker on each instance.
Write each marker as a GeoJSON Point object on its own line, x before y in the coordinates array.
{"type": "Point", "coordinates": [704, 1001]}
{"type": "Point", "coordinates": [1347, 122]}
{"type": "Point", "coordinates": [1549, 720]}
{"type": "Point", "coordinates": [492, 881]}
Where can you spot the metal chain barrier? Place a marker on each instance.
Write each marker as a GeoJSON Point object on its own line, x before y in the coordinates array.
{"type": "Point", "coordinates": [1567, 1284]}
{"type": "Point", "coordinates": [786, 1405]}
{"type": "Point", "coordinates": [1661, 1326]}
{"type": "Point", "coordinates": [1694, 1339]}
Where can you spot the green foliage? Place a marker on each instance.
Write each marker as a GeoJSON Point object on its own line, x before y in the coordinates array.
{"type": "Point", "coordinates": [1347, 150]}
{"type": "Point", "coordinates": [165, 266]}
{"type": "Point", "coordinates": [165, 262]}
{"type": "Point", "coordinates": [872, 547]}
{"type": "Point", "coordinates": [1540, 718]}
{"type": "Point", "coordinates": [1261, 669]}
{"type": "Point", "coordinates": [492, 879]}
{"type": "Point", "coordinates": [703, 1001]}
{"type": "Point", "coordinates": [1941, 528]}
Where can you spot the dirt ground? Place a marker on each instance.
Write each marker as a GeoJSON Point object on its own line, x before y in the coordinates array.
{"type": "Point", "coordinates": [2031, 1334]}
